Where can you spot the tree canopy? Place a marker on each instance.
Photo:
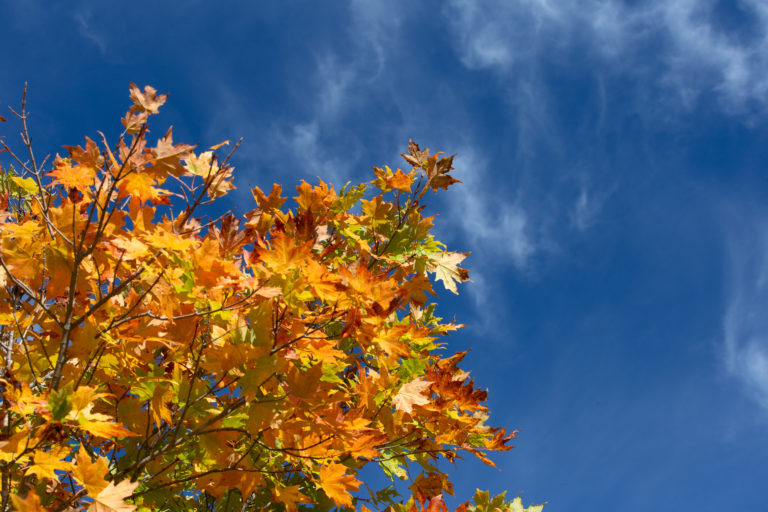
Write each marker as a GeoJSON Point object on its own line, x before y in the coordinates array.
{"type": "Point", "coordinates": [157, 359]}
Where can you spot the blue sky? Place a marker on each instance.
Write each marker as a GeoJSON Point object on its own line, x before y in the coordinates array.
{"type": "Point", "coordinates": [615, 196]}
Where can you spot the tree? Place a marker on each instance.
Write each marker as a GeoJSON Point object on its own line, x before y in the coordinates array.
{"type": "Point", "coordinates": [157, 360]}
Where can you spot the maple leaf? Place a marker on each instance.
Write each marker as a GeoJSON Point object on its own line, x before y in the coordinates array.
{"type": "Point", "coordinates": [446, 269]}
{"type": "Point", "coordinates": [91, 474]}
{"type": "Point", "coordinates": [96, 423]}
{"type": "Point", "coordinates": [141, 186]}
{"type": "Point", "coordinates": [337, 484]}
{"type": "Point", "coordinates": [148, 100]}
{"type": "Point", "coordinates": [78, 176]}
{"type": "Point", "coordinates": [28, 185]}
{"type": "Point", "coordinates": [484, 503]}
{"type": "Point", "coordinates": [416, 157]}
{"type": "Point", "coordinates": [112, 498]}
{"type": "Point", "coordinates": [517, 506]}
{"type": "Point", "coordinates": [436, 504]}
{"type": "Point", "coordinates": [221, 183]}
{"type": "Point", "coordinates": [46, 463]}
{"type": "Point", "coordinates": [437, 172]}
{"type": "Point", "coordinates": [29, 504]}
{"type": "Point", "coordinates": [168, 156]}
{"type": "Point", "coordinates": [14, 446]}
{"type": "Point", "coordinates": [290, 496]}
{"type": "Point", "coordinates": [431, 484]}
{"type": "Point", "coordinates": [410, 394]}
{"type": "Point", "coordinates": [400, 181]}
{"type": "Point", "coordinates": [268, 202]}
{"type": "Point", "coordinates": [203, 165]}
{"type": "Point", "coordinates": [133, 121]}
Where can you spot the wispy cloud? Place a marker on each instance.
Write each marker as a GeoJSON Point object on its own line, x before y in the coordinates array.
{"type": "Point", "coordinates": [319, 141]}
{"type": "Point", "coordinates": [89, 31]}
{"type": "Point", "coordinates": [501, 228]}
{"type": "Point", "coordinates": [502, 234]}
{"type": "Point", "coordinates": [313, 159]}
{"type": "Point", "coordinates": [589, 203]}
{"type": "Point", "coordinates": [745, 321]}
{"type": "Point", "coordinates": [695, 51]}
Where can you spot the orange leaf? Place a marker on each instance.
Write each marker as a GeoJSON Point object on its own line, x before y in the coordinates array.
{"type": "Point", "coordinates": [289, 496]}
{"type": "Point", "coordinates": [29, 504]}
{"type": "Point", "coordinates": [78, 176]}
{"type": "Point", "coordinates": [337, 484]}
{"type": "Point", "coordinates": [91, 474]}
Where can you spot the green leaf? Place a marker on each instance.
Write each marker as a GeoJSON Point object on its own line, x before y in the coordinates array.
{"type": "Point", "coordinates": [393, 468]}
{"type": "Point", "coordinates": [60, 403]}
{"type": "Point", "coordinates": [188, 282]}
{"type": "Point", "coordinates": [412, 367]}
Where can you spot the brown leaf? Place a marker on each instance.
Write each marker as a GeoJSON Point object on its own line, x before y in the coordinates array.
{"type": "Point", "coordinates": [416, 157]}
{"type": "Point", "coordinates": [437, 172]}
{"type": "Point", "coordinates": [168, 156]}
{"type": "Point", "coordinates": [133, 121]}
{"type": "Point", "coordinates": [148, 100]}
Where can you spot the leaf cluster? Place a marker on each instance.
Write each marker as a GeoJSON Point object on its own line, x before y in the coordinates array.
{"type": "Point", "coordinates": [160, 360]}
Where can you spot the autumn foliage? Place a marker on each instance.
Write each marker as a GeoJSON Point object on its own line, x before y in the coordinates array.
{"type": "Point", "coordinates": [157, 360]}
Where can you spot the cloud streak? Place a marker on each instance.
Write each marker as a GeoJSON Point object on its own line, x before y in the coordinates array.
{"type": "Point", "coordinates": [697, 52]}
{"type": "Point", "coordinates": [745, 321]}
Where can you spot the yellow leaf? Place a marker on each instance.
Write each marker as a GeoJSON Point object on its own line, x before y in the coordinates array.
{"type": "Point", "coordinates": [112, 498]}
{"type": "Point", "coordinates": [97, 424]}
{"type": "Point", "coordinates": [446, 269]}
{"type": "Point", "coordinates": [26, 184]}
{"type": "Point", "coordinates": [29, 504]}
{"type": "Point", "coordinates": [160, 411]}
{"type": "Point", "coordinates": [91, 474]}
{"type": "Point", "coordinates": [130, 248]}
{"type": "Point", "coordinates": [102, 426]}
{"type": "Point", "coordinates": [411, 394]}
{"type": "Point", "coordinates": [337, 484]}
{"type": "Point", "coordinates": [14, 446]}
{"type": "Point", "coordinates": [45, 463]}
{"type": "Point", "coordinates": [517, 506]}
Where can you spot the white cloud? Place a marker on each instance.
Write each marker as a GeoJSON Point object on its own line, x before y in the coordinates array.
{"type": "Point", "coordinates": [694, 53]}
{"type": "Point", "coordinates": [313, 160]}
{"type": "Point", "coordinates": [495, 225]}
{"type": "Point", "coordinates": [337, 81]}
{"type": "Point", "coordinates": [589, 204]}
{"type": "Point", "coordinates": [88, 31]}
{"type": "Point", "coordinates": [745, 322]}
{"type": "Point", "coordinates": [332, 82]}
